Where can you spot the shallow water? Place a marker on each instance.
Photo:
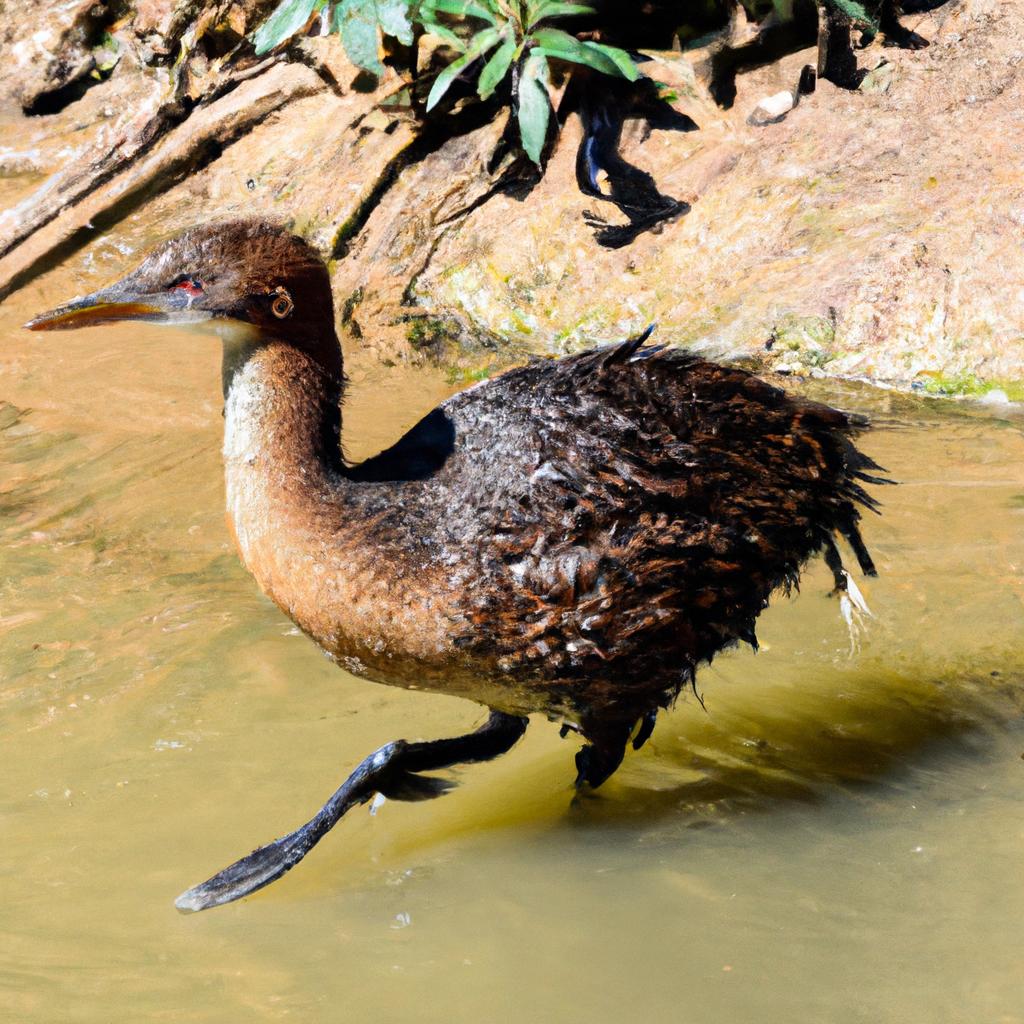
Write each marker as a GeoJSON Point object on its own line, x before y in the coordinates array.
{"type": "Point", "coordinates": [838, 837]}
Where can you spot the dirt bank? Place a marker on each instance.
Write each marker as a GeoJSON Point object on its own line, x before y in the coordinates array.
{"type": "Point", "coordinates": [874, 233]}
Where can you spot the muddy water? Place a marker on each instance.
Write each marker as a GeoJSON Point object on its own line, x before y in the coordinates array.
{"type": "Point", "coordinates": [838, 837]}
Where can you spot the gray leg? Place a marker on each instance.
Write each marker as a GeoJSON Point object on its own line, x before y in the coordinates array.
{"type": "Point", "coordinates": [392, 770]}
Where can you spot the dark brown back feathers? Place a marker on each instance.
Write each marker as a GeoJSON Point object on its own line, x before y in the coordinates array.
{"type": "Point", "coordinates": [627, 513]}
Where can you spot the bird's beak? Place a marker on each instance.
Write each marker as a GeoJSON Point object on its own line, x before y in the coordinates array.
{"type": "Point", "coordinates": [112, 304]}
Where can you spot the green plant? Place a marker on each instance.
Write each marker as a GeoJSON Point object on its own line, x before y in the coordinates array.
{"type": "Point", "coordinates": [857, 12]}
{"type": "Point", "coordinates": [494, 39]}
{"type": "Point", "coordinates": [356, 21]}
{"type": "Point", "coordinates": [520, 44]}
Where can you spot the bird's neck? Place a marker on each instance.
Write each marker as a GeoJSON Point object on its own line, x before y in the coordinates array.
{"type": "Point", "coordinates": [276, 395]}
{"type": "Point", "coordinates": [282, 455]}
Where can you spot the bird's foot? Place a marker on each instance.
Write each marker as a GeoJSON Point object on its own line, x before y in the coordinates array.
{"type": "Point", "coordinates": [394, 770]}
{"type": "Point", "coordinates": [646, 727]}
{"type": "Point", "coordinates": [906, 39]}
{"type": "Point", "coordinates": [595, 764]}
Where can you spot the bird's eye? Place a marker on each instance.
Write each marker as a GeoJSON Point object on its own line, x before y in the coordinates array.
{"type": "Point", "coordinates": [281, 304]}
{"type": "Point", "coordinates": [190, 286]}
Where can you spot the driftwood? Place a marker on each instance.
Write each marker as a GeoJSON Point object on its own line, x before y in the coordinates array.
{"type": "Point", "coordinates": [73, 183]}
{"type": "Point", "coordinates": [105, 190]}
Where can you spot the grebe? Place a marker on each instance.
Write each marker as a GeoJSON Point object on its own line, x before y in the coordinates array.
{"type": "Point", "coordinates": [573, 537]}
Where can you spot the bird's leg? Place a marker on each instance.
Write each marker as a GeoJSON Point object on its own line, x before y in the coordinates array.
{"type": "Point", "coordinates": [647, 723]}
{"type": "Point", "coordinates": [595, 764]}
{"type": "Point", "coordinates": [599, 758]}
{"type": "Point", "coordinates": [392, 770]}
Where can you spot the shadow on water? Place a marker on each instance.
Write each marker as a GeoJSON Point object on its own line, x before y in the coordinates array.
{"type": "Point", "coordinates": [863, 741]}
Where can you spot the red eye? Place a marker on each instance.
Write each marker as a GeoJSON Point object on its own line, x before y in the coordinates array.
{"type": "Point", "coordinates": [190, 286]}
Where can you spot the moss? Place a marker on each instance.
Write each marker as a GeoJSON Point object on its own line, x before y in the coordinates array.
{"type": "Point", "coordinates": [959, 385]}
{"type": "Point", "coordinates": [969, 385]}
{"type": "Point", "coordinates": [425, 332]}
{"type": "Point", "coordinates": [810, 339]}
{"type": "Point", "coordinates": [449, 272]}
{"type": "Point", "coordinates": [520, 291]}
{"type": "Point", "coordinates": [348, 309]}
{"type": "Point", "coordinates": [469, 375]}
{"type": "Point", "coordinates": [818, 358]}
{"type": "Point", "coordinates": [519, 323]}
{"type": "Point", "coordinates": [1014, 389]}
{"type": "Point", "coordinates": [349, 305]}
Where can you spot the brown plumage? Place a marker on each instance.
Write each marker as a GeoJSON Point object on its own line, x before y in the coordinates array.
{"type": "Point", "coordinates": [574, 537]}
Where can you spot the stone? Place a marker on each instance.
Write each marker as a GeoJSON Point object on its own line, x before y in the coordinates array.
{"type": "Point", "coordinates": [772, 109]}
{"type": "Point", "coordinates": [997, 396]}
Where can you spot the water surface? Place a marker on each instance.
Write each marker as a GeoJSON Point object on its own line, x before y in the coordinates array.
{"type": "Point", "coordinates": [837, 837]}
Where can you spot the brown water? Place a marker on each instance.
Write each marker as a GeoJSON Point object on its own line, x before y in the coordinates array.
{"type": "Point", "coordinates": [839, 837]}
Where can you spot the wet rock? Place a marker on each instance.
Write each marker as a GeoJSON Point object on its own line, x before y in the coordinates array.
{"type": "Point", "coordinates": [14, 162]}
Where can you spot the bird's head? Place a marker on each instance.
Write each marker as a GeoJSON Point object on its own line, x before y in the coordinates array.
{"type": "Point", "coordinates": [243, 278]}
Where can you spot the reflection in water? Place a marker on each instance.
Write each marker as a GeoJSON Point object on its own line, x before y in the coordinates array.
{"type": "Point", "coordinates": [835, 838]}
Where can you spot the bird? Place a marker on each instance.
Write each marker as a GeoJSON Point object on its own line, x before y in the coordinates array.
{"type": "Point", "coordinates": [573, 537]}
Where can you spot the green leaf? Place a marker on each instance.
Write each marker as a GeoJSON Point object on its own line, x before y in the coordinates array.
{"type": "Point", "coordinates": [609, 60]}
{"type": "Point", "coordinates": [856, 12]}
{"type": "Point", "coordinates": [481, 44]}
{"type": "Point", "coordinates": [497, 67]}
{"type": "Point", "coordinates": [393, 18]}
{"type": "Point", "coordinates": [356, 22]}
{"type": "Point", "coordinates": [622, 60]}
{"type": "Point", "coordinates": [445, 79]}
{"type": "Point", "coordinates": [443, 32]}
{"type": "Point", "coordinates": [461, 9]}
{"type": "Point", "coordinates": [556, 43]}
{"type": "Point", "coordinates": [558, 9]}
{"type": "Point", "coordinates": [288, 17]}
{"type": "Point", "coordinates": [534, 105]}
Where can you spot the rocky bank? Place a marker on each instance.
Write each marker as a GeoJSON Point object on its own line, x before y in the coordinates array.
{"type": "Point", "coordinates": [875, 233]}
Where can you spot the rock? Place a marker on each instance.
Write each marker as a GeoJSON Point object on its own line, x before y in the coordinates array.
{"type": "Point", "coordinates": [14, 162]}
{"type": "Point", "coordinates": [772, 109]}
{"type": "Point", "coordinates": [879, 79]}
{"type": "Point", "coordinates": [154, 16]}
{"type": "Point", "coordinates": [45, 46]}
{"type": "Point", "coordinates": [997, 396]}
{"type": "Point", "coordinates": [216, 125]}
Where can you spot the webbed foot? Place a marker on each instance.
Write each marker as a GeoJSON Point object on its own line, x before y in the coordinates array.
{"type": "Point", "coordinates": [394, 770]}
